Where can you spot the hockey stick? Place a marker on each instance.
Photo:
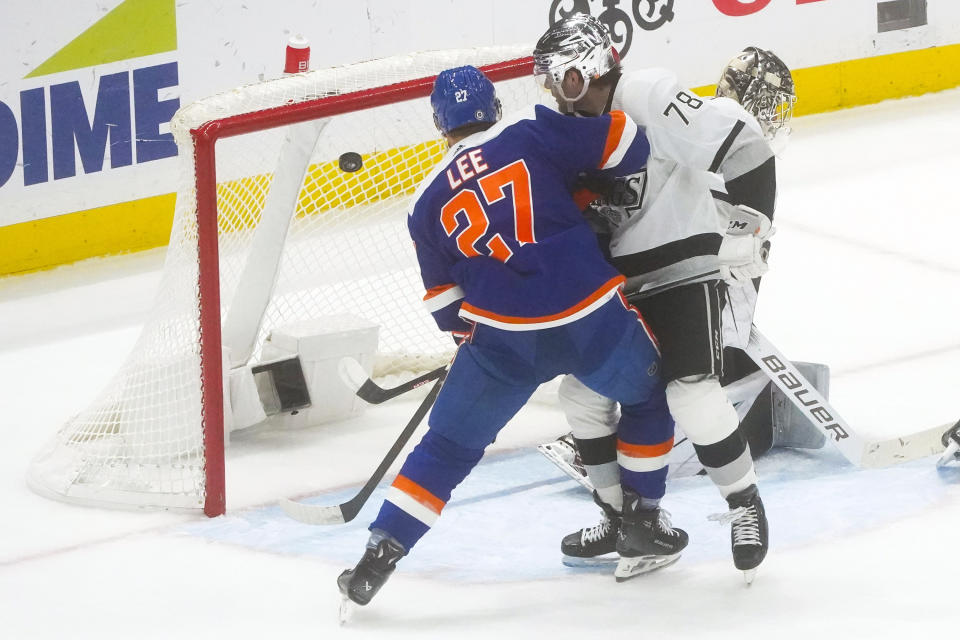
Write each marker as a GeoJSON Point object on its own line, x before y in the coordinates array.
{"type": "Point", "coordinates": [366, 389]}
{"type": "Point", "coordinates": [855, 448]}
{"type": "Point", "coordinates": [347, 511]}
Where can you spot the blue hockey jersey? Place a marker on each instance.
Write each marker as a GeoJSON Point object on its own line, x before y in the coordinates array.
{"type": "Point", "coordinates": [499, 238]}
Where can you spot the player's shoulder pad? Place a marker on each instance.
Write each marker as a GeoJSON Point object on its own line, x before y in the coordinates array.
{"type": "Point", "coordinates": [475, 140]}
{"type": "Point", "coordinates": [641, 93]}
{"type": "Point", "coordinates": [543, 111]}
{"type": "Point", "coordinates": [429, 179]}
{"type": "Point", "coordinates": [649, 76]}
{"type": "Point", "coordinates": [528, 113]}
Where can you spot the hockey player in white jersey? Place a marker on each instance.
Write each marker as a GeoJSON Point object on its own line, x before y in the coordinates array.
{"type": "Point", "coordinates": [669, 237]}
{"type": "Point", "coordinates": [759, 81]}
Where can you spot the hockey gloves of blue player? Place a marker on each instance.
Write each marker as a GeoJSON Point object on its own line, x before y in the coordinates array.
{"type": "Point", "coordinates": [743, 252]}
{"type": "Point", "coordinates": [464, 335]}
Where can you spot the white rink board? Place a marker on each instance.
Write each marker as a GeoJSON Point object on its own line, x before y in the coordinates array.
{"type": "Point", "coordinates": [222, 44]}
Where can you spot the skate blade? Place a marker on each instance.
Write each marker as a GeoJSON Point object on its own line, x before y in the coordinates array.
{"type": "Point", "coordinates": [575, 562]}
{"type": "Point", "coordinates": [347, 608]}
{"type": "Point", "coordinates": [631, 567]}
{"type": "Point", "coordinates": [749, 575]}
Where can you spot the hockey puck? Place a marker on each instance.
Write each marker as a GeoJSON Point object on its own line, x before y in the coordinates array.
{"type": "Point", "coordinates": [350, 161]}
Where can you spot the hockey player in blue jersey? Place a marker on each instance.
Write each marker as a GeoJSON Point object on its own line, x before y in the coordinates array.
{"type": "Point", "coordinates": [511, 267]}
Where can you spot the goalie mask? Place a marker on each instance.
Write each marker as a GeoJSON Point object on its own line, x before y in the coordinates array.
{"type": "Point", "coordinates": [463, 96]}
{"type": "Point", "coordinates": [579, 42]}
{"type": "Point", "coordinates": [759, 81]}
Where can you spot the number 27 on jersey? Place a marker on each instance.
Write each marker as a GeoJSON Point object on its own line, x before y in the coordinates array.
{"type": "Point", "coordinates": [466, 206]}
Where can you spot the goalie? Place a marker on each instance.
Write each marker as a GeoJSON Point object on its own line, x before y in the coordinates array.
{"type": "Point", "coordinates": [692, 243]}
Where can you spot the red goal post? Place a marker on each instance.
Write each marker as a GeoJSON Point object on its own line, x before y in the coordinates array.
{"type": "Point", "coordinates": [240, 265]}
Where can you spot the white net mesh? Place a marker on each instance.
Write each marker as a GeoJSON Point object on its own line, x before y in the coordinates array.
{"type": "Point", "coordinates": [346, 250]}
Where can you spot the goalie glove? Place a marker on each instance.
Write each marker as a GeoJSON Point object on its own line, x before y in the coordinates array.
{"type": "Point", "coordinates": [743, 251]}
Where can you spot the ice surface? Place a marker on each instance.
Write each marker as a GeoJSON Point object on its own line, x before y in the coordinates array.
{"type": "Point", "coordinates": [865, 277]}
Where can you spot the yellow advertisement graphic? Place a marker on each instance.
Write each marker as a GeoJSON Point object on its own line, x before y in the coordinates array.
{"type": "Point", "coordinates": [98, 105]}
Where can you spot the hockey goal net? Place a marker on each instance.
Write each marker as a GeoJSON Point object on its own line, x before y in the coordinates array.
{"type": "Point", "coordinates": [274, 225]}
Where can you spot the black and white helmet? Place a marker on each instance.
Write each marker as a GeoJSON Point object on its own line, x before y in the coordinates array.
{"type": "Point", "coordinates": [578, 42]}
{"type": "Point", "coordinates": [759, 81]}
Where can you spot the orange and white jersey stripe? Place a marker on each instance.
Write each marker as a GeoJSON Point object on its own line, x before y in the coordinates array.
{"type": "Point", "coordinates": [643, 457]}
{"type": "Point", "coordinates": [439, 297]}
{"type": "Point", "coordinates": [520, 323]}
{"type": "Point", "coordinates": [622, 132]}
{"type": "Point", "coordinates": [413, 499]}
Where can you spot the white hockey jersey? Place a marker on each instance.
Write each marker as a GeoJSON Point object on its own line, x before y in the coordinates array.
{"type": "Point", "coordinates": [666, 227]}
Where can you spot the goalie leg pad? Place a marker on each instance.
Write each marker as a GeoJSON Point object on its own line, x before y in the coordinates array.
{"type": "Point", "coordinates": [791, 428]}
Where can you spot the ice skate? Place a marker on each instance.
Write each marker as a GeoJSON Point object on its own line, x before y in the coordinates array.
{"type": "Point", "coordinates": [951, 442]}
{"type": "Point", "coordinates": [360, 584]}
{"type": "Point", "coordinates": [646, 541]}
{"type": "Point", "coordinates": [563, 453]}
{"type": "Point", "coordinates": [748, 533]}
{"type": "Point", "coordinates": [596, 545]}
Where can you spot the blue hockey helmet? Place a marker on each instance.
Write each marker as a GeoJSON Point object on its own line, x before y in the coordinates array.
{"type": "Point", "coordinates": [463, 96]}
